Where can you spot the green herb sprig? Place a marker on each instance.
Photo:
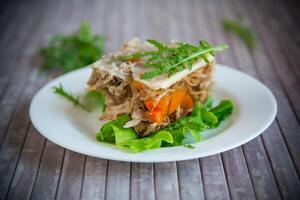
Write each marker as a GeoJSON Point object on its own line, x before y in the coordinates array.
{"type": "Point", "coordinates": [169, 60]}
{"type": "Point", "coordinates": [69, 96]}
{"type": "Point", "coordinates": [244, 32]}
{"type": "Point", "coordinates": [70, 52]}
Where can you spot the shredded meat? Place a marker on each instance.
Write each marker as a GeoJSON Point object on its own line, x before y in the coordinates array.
{"type": "Point", "coordinates": [123, 98]}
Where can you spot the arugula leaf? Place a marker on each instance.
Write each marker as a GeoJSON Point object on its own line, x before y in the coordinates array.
{"type": "Point", "coordinates": [169, 60]}
{"type": "Point", "coordinates": [74, 51]}
{"type": "Point", "coordinates": [90, 101]}
{"type": "Point", "coordinates": [245, 33]}
{"type": "Point", "coordinates": [223, 110]}
{"type": "Point", "coordinates": [69, 96]}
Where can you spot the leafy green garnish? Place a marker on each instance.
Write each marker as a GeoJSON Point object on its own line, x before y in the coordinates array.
{"type": "Point", "coordinates": [69, 96]}
{"type": "Point", "coordinates": [222, 111]}
{"type": "Point", "coordinates": [245, 33]}
{"type": "Point", "coordinates": [114, 132]}
{"type": "Point", "coordinates": [208, 103]}
{"type": "Point", "coordinates": [94, 100]}
{"type": "Point", "coordinates": [169, 60]}
{"type": "Point", "coordinates": [184, 131]}
{"type": "Point", "coordinates": [73, 51]}
{"type": "Point", "coordinates": [91, 100]}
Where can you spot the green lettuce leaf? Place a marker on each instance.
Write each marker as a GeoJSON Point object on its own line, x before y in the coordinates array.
{"type": "Point", "coordinates": [208, 103]}
{"type": "Point", "coordinates": [113, 132]}
{"type": "Point", "coordinates": [184, 131]}
{"type": "Point", "coordinates": [222, 111]}
{"type": "Point", "coordinates": [152, 142]}
{"type": "Point", "coordinates": [107, 131]}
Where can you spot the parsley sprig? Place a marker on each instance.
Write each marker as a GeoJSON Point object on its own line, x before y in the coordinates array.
{"type": "Point", "coordinates": [70, 52]}
{"type": "Point", "coordinates": [69, 96]}
{"type": "Point", "coordinates": [169, 60]}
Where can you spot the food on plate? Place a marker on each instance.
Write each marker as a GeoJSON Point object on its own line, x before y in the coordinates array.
{"type": "Point", "coordinates": [157, 94]}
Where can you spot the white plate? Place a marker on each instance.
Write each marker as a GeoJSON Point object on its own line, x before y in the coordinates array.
{"type": "Point", "coordinates": [68, 126]}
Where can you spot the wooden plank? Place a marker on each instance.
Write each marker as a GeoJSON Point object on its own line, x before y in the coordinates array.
{"type": "Point", "coordinates": [71, 176]}
{"type": "Point", "coordinates": [94, 177]}
{"type": "Point", "coordinates": [239, 182]}
{"type": "Point", "coordinates": [284, 171]}
{"type": "Point", "coordinates": [13, 143]}
{"type": "Point", "coordinates": [189, 172]}
{"type": "Point", "coordinates": [32, 148]}
{"type": "Point", "coordinates": [8, 14]}
{"type": "Point", "coordinates": [289, 38]}
{"type": "Point", "coordinates": [214, 180]}
{"type": "Point", "coordinates": [12, 15]}
{"type": "Point", "coordinates": [287, 47]}
{"type": "Point", "coordinates": [261, 178]}
{"type": "Point", "coordinates": [261, 174]}
{"type": "Point", "coordinates": [190, 181]}
{"type": "Point", "coordinates": [118, 180]}
{"type": "Point", "coordinates": [166, 181]}
{"type": "Point", "coordinates": [72, 184]}
{"type": "Point", "coordinates": [286, 74]}
{"type": "Point", "coordinates": [118, 173]}
{"type": "Point", "coordinates": [175, 184]}
{"type": "Point", "coordinates": [142, 181]}
{"type": "Point", "coordinates": [286, 118]}
{"type": "Point", "coordinates": [46, 186]}
{"type": "Point", "coordinates": [93, 186]}
{"type": "Point", "coordinates": [294, 6]}
{"type": "Point", "coordinates": [49, 172]}
{"type": "Point", "coordinates": [25, 173]}
{"type": "Point", "coordinates": [17, 80]}
{"type": "Point", "coordinates": [234, 161]}
{"type": "Point", "coordinates": [3, 85]}
{"type": "Point", "coordinates": [142, 174]}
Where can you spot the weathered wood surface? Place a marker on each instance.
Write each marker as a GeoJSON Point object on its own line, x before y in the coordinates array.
{"type": "Point", "coordinates": [267, 167]}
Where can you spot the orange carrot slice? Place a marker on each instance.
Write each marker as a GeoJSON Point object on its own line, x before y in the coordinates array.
{"type": "Point", "coordinates": [176, 99]}
{"type": "Point", "coordinates": [187, 102]}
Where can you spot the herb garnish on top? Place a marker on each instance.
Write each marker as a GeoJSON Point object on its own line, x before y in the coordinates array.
{"type": "Point", "coordinates": [169, 60]}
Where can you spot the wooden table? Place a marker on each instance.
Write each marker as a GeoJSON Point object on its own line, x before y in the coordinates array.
{"type": "Point", "coordinates": [268, 167]}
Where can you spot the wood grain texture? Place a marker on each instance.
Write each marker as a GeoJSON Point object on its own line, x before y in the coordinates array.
{"type": "Point", "coordinates": [28, 165]}
{"type": "Point", "coordinates": [94, 179]}
{"type": "Point", "coordinates": [47, 179]}
{"type": "Point", "coordinates": [142, 181]}
{"type": "Point", "coordinates": [213, 176]}
{"type": "Point", "coordinates": [14, 140]}
{"type": "Point", "coordinates": [190, 180]}
{"type": "Point", "coordinates": [267, 167]}
{"type": "Point", "coordinates": [71, 176]}
{"type": "Point", "coordinates": [166, 181]}
{"type": "Point", "coordinates": [262, 178]}
{"type": "Point", "coordinates": [118, 180]}
{"type": "Point", "coordinates": [287, 119]}
{"type": "Point", "coordinates": [234, 161]}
